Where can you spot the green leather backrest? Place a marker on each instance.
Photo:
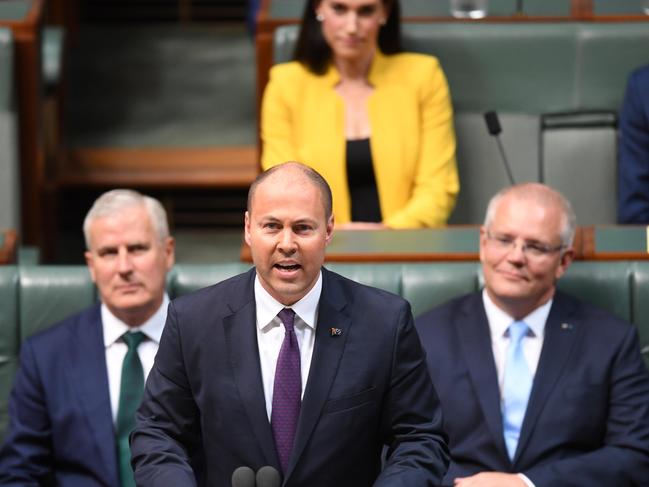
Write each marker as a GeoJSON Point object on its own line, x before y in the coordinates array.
{"type": "Point", "coordinates": [14, 10]}
{"type": "Point", "coordinates": [291, 9]}
{"type": "Point", "coordinates": [9, 169]}
{"type": "Point", "coordinates": [186, 278]}
{"type": "Point", "coordinates": [50, 293]}
{"type": "Point", "coordinates": [9, 340]}
{"type": "Point", "coordinates": [603, 7]}
{"type": "Point", "coordinates": [640, 304]}
{"type": "Point", "coordinates": [6, 70]}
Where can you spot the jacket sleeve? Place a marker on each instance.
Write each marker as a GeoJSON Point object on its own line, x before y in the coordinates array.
{"type": "Point", "coordinates": [26, 456]}
{"type": "Point", "coordinates": [417, 451]}
{"type": "Point", "coordinates": [633, 166]}
{"type": "Point", "coordinates": [277, 144]}
{"type": "Point", "coordinates": [167, 431]}
{"type": "Point", "coordinates": [436, 183]}
{"type": "Point", "coordinates": [623, 458]}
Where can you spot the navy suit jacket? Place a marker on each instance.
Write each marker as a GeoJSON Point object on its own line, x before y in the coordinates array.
{"type": "Point", "coordinates": [61, 427]}
{"type": "Point", "coordinates": [367, 387]}
{"type": "Point", "coordinates": [587, 419]}
{"type": "Point", "coordinates": [633, 173]}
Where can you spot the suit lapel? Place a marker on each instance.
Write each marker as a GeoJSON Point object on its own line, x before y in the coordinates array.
{"type": "Point", "coordinates": [560, 337]}
{"type": "Point", "coordinates": [89, 377]}
{"type": "Point", "coordinates": [243, 352]}
{"type": "Point", "coordinates": [475, 339]}
{"type": "Point", "coordinates": [327, 353]}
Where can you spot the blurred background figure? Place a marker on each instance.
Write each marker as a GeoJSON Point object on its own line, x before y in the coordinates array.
{"type": "Point", "coordinates": [72, 406]}
{"type": "Point", "coordinates": [633, 175]}
{"type": "Point", "coordinates": [376, 122]}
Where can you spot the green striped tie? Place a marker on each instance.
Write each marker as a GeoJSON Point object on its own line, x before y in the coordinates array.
{"type": "Point", "coordinates": [130, 396]}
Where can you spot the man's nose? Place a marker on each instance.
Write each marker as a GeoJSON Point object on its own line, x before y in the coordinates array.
{"type": "Point", "coordinates": [286, 242]}
{"type": "Point", "coordinates": [516, 252]}
{"type": "Point", "coordinates": [124, 261]}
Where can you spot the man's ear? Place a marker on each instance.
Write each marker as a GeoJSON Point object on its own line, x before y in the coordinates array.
{"type": "Point", "coordinates": [246, 227]}
{"type": "Point", "coordinates": [90, 262]}
{"type": "Point", "coordinates": [483, 241]}
{"type": "Point", "coordinates": [566, 259]}
{"type": "Point", "coordinates": [329, 230]}
{"type": "Point", "coordinates": [170, 251]}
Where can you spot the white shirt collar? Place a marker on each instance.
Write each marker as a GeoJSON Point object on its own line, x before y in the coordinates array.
{"type": "Point", "coordinates": [268, 307]}
{"type": "Point", "coordinates": [114, 328]}
{"type": "Point", "coordinates": [499, 321]}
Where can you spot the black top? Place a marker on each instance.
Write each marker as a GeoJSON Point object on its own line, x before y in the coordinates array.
{"type": "Point", "coordinates": [362, 184]}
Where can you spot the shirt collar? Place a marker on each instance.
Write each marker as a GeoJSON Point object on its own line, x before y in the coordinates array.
{"type": "Point", "coordinates": [499, 321]}
{"type": "Point", "coordinates": [114, 328]}
{"type": "Point", "coordinates": [268, 307]}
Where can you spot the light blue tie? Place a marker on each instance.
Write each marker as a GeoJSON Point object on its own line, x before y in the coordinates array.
{"type": "Point", "coordinates": [516, 388]}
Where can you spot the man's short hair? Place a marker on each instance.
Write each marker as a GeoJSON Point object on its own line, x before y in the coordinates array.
{"type": "Point", "coordinates": [118, 200]}
{"type": "Point", "coordinates": [545, 196]}
{"type": "Point", "coordinates": [314, 176]}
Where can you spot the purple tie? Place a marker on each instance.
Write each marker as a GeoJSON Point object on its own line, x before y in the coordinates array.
{"type": "Point", "coordinates": [287, 391]}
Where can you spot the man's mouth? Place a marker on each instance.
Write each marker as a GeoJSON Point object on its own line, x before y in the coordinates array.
{"type": "Point", "coordinates": [287, 267]}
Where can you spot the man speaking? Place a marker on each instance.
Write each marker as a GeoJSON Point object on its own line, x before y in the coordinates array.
{"type": "Point", "coordinates": [290, 365]}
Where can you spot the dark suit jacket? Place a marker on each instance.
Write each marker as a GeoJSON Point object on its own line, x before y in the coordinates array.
{"type": "Point", "coordinates": [633, 174]}
{"type": "Point", "coordinates": [587, 420]}
{"type": "Point", "coordinates": [366, 388]}
{"type": "Point", "coordinates": [61, 426]}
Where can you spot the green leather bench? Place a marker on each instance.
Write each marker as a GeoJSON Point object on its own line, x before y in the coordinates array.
{"type": "Point", "coordinates": [557, 88]}
{"type": "Point", "coordinates": [34, 297]}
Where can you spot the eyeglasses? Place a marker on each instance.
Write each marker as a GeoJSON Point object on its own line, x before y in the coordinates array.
{"type": "Point", "coordinates": [530, 249]}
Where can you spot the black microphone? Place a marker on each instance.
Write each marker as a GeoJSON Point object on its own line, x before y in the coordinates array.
{"type": "Point", "coordinates": [243, 477]}
{"type": "Point", "coordinates": [268, 477]}
{"type": "Point", "coordinates": [493, 126]}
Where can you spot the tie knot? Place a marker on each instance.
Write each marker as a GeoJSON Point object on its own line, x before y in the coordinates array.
{"type": "Point", "coordinates": [517, 330]}
{"type": "Point", "coordinates": [133, 339]}
{"type": "Point", "coordinates": [287, 315]}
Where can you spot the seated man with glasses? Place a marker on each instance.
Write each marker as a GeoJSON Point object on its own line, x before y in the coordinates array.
{"type": "Point", "coordinates": [537, 388]}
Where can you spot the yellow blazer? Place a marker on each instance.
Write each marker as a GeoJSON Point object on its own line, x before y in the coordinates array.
{"type": "Point", "coordinates": [412, 136]}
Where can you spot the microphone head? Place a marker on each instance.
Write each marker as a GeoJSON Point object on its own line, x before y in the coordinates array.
{"type": "Point", "coordinates": [493, 124]}
{"type": "Point", "coordinates": [268, 477]}
{"type": "Point", "coordinates": [243, 477]}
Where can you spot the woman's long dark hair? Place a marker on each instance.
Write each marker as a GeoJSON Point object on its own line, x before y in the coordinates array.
{"type": "Point", "coordinates": [313, 51]}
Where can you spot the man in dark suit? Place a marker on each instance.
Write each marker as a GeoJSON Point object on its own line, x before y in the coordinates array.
{"type": "Point", "coordinates": [536, 387]}
{"type": "Point", "coordinates": [633, 157]}
{"type": "Point", "coordinates": [74, 397]}
{"type": "Point", "coordinates": [290, 365]}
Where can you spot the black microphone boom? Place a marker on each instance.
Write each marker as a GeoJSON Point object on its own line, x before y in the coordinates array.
{"type": "Point", "coordinates": [493, 126]}
{"type": "Point", "coordinates": [268, 477]}
{"type": "Point", "coordinates": [243, 477]}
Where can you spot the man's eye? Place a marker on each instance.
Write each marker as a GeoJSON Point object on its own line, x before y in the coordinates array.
{"type": "Point", "coordinates": [271, 226]}
{"type": "Point", "coordinates": [137, 249]}
{"type": "Point", "coordinates": [504, 240]}
{"type": "Point", "coordinates": [537, 249]}
{"type": "Point", "coordinates": [107, 252]}
{"type": "Point", "coordinates": [302, 228]}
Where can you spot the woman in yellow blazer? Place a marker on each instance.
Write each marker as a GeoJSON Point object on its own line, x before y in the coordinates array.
{"type": "Point", "coordinates": [350, 83]}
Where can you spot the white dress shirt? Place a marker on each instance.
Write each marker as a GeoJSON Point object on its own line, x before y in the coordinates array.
{"type": "Point", "coordinates": [499, 322]}
{"type": "Point", "coordinates": [270, 333]}
{"type": "Point", "coordinates": [116, 349]}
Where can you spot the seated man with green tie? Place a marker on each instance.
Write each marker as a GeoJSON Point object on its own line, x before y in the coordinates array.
{"type": "Point", "coordinates": [73, 402]}
{"type": "Point", "coordinates": [536, 387]}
